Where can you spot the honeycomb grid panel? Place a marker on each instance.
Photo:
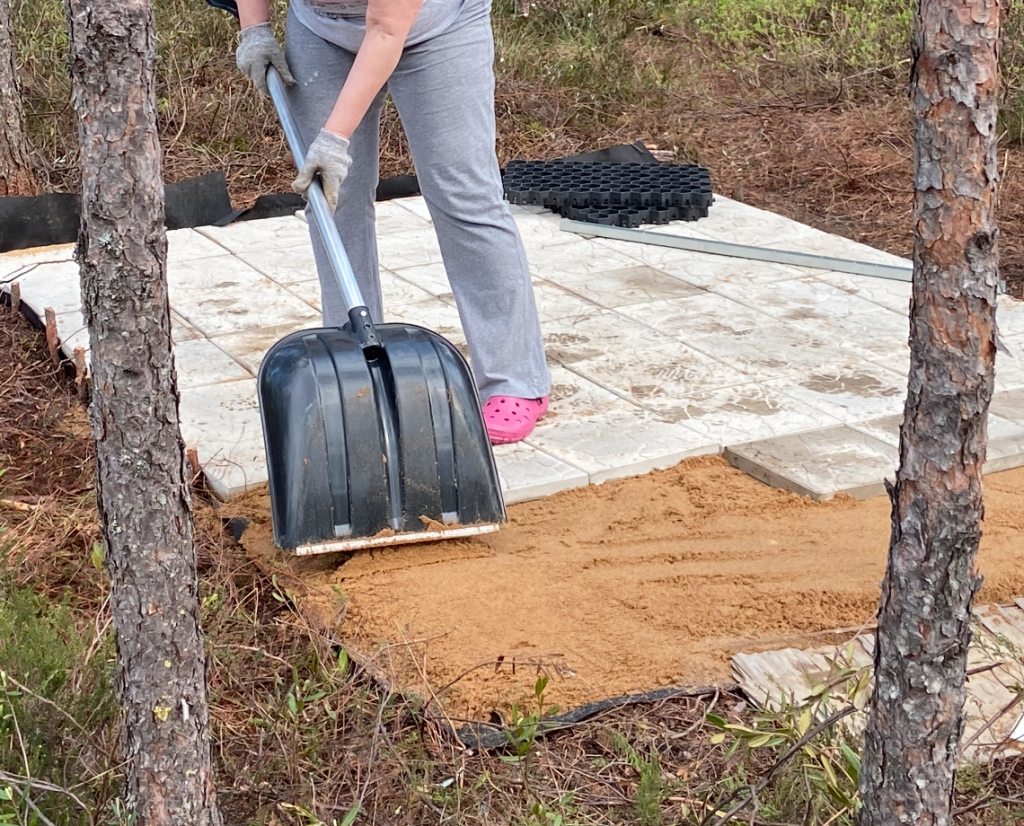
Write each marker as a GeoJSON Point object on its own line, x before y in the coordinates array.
{"type": "Point", "coordinates": [613, 194]}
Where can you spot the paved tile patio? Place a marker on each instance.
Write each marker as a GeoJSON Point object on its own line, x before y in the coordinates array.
{"type": "Point", "coordinates": [657, 354]}
{"type": "Point", "coordinates": [993, 725]}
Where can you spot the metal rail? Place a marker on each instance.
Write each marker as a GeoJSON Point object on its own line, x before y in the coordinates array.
{"type": "Point", "coordinates": [798, 259]}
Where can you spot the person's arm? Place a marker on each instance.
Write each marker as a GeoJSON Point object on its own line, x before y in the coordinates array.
{"type": "Point", "coordinates": [251, 12]}
{"type": "Point", "coordinates": [387, 26]}
{"type": "Point", "coordinates": [257, 46]}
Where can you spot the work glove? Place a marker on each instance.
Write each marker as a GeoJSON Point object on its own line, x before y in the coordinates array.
{"type": "Point", "coordinates": [258, 49]}
{"type": "Point", "coordinates": [327, 156]}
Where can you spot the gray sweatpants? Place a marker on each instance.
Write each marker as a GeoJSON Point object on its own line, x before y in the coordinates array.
{"type": "Point", "coordinates": [444, 92]}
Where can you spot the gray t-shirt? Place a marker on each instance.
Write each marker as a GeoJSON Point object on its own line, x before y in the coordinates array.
{"type": "Point", "coordinates": [343, 22]}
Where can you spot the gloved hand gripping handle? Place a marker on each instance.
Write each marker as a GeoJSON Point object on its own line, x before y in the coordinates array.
{"type": "Point", "coordinates": [358, 314]}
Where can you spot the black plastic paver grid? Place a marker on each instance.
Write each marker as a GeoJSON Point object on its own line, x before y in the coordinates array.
{"type": "Point", "coordinates": [614, 194]}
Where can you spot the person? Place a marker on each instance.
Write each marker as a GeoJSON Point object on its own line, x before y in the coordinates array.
{"type": "Point", "coordinates": [435, 58]}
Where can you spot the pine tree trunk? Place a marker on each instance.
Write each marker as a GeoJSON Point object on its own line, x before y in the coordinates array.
{"type": "Point", "coordinates": [916, 713]}
{"type": "Point", "coordinates": [17, 176]}
{"type": "Point", "coordinates": [143, 496]}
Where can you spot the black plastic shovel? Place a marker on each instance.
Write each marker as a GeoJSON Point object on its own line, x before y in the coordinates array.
{"type": "Point", "coordinates": [373, 433]}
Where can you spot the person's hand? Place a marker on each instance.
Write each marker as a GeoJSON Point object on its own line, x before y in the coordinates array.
{"type": "Point", "coordinates": [258, 49]}
{"type": "Point", "coordinates": [327, 156]}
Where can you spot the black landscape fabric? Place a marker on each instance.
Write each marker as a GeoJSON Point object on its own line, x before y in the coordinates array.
{"type": "Point", "coordinates": [43, 220]}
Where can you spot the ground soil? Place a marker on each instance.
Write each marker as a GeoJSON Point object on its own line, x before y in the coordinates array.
{"type": "Point", "coordinates": [624, 587]}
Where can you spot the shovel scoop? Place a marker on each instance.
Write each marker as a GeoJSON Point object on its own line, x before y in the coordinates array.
{"type": "Point", "coordinates": [373, 432]}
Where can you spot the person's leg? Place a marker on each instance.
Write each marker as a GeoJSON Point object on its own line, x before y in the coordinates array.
{"type": "Point", "coordinates": [320, 69]}
{"type": "Point", "coordinates": [444, 92]}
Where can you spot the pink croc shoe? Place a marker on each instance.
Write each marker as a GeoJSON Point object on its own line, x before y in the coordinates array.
{"type": "Point", "coordinates": [509, 419]}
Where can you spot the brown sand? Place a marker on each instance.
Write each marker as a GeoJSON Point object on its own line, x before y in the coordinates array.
{"type": "Point", "coordinates": [626, 587]}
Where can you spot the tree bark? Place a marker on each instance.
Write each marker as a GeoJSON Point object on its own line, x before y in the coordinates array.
{"type": "Point", "coordinates": [143, 496]}
{"type": "Point", "coordinates": [17, 176]}
{"type": "Point", "coordinates": [916, 713]}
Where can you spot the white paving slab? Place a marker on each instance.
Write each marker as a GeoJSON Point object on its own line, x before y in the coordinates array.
{"type": "Point", "coordinates": [1010, 363]}
{"type": "Point", "coordinates": [577, 256]}
{"type": "Point", "coordinates": [738, 223]}
{"type": "Point", "coordinates": [777, 350]}
{"type": "Point", "coordinates": [529, 473]}
{"type": "Point", "coordinates": [794, 299]}
{"type": "Point", "coordinates": [397, 292]}
{"type": "Point", "coordinates": [645, 372]}
{"type": "Point", "coordinates": [55, 285]}
{"type": "Point", "coordinates": [285, 265]}
{"type": "Point", "coordinates": [308, 292]}
{"type": "Point", "coordinates": [430, 277]}
{"type": "Point", "coordinates": [835, 246]}
{"type": "Point", "coordinates": [885, 292]}
{"type": "Point", "coordinates": [702, 314]}
{"type": "Point", "coordinates": [853, 392]}
{"type": "Point", "coordinates": [879, 336]}
{"type": "Point", "coordinates": [14, 265]}
{"type": "Point", "coordinates": [408, 249]}
{"type": "Point", "coordinates": [393, 216]}
{"type": "Point", "coordinates": [668, 258]}
{"type": "Point", "coordinates": [417, 206]}
{"type": "Point", "coordinates": [657, 354]}
{"type": "Point", "coordinates": [620, 444]}
{"type": "Point", "coordinates": [222, 422]}
{"type": "Point", "coordinates": [200, 362]}
{"type": "Point", "coordinates": [249, 346]}
{"type": "Point", "coordinates": [885, 429]}
{"type": "Point", "coordinates": [225, 295]}
{"type": "Point", "coordinates": [710, 271]}
{"type": "Point", "coordinates": [1005, 445]}
{"type": "Point", "coordinates": [742, 413]}
{"type": "Point", "coordinates": [1005, 448]}
{"type": "Point", "coordinates": [555, 303]}
{"type": "Point", "coordinates": [1010, 315]}
{"type": "Point", "coordinates": [616, 288]}
{"type": "Point", "coordinates": [431, 313]}
{"type": "Point", "coordinates": [181, 330]}
{"type": "Point", "coordinates": [820, 463]}
{"type": "Point", "coordinates": [187, 245]}
{"type": "Point", "coordinates": [1009, 404]}
{"type": "Point", "coordinates": [536, 228]}
{"type": "Point", "coordinates": [593, 334]}
{"type": "Point", "coordinates": [73, 333]}
{"type": "Point", "coordinates": [574, 398]}
{"type": "Point", "coordinates": [266, 234]}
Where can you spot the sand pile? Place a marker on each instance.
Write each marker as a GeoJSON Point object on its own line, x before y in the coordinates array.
{"type": "Point", "coordinates": [624, 587]}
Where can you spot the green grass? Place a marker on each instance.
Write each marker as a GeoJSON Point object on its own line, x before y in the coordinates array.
{"type": "Point", "coordinates": [1011, 67]}
{"type": "Point", "coordinates": [603, 53]}
{"type": "Point", "coordinates": [841, 38]}
{"type": "Point", "coordinates": [581, 48]}
{"type": "Point", "coordinates": [56, 707]}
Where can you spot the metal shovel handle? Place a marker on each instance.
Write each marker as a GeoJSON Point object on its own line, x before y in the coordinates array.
{"type": "Point", "coordinates": [317, 201]}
